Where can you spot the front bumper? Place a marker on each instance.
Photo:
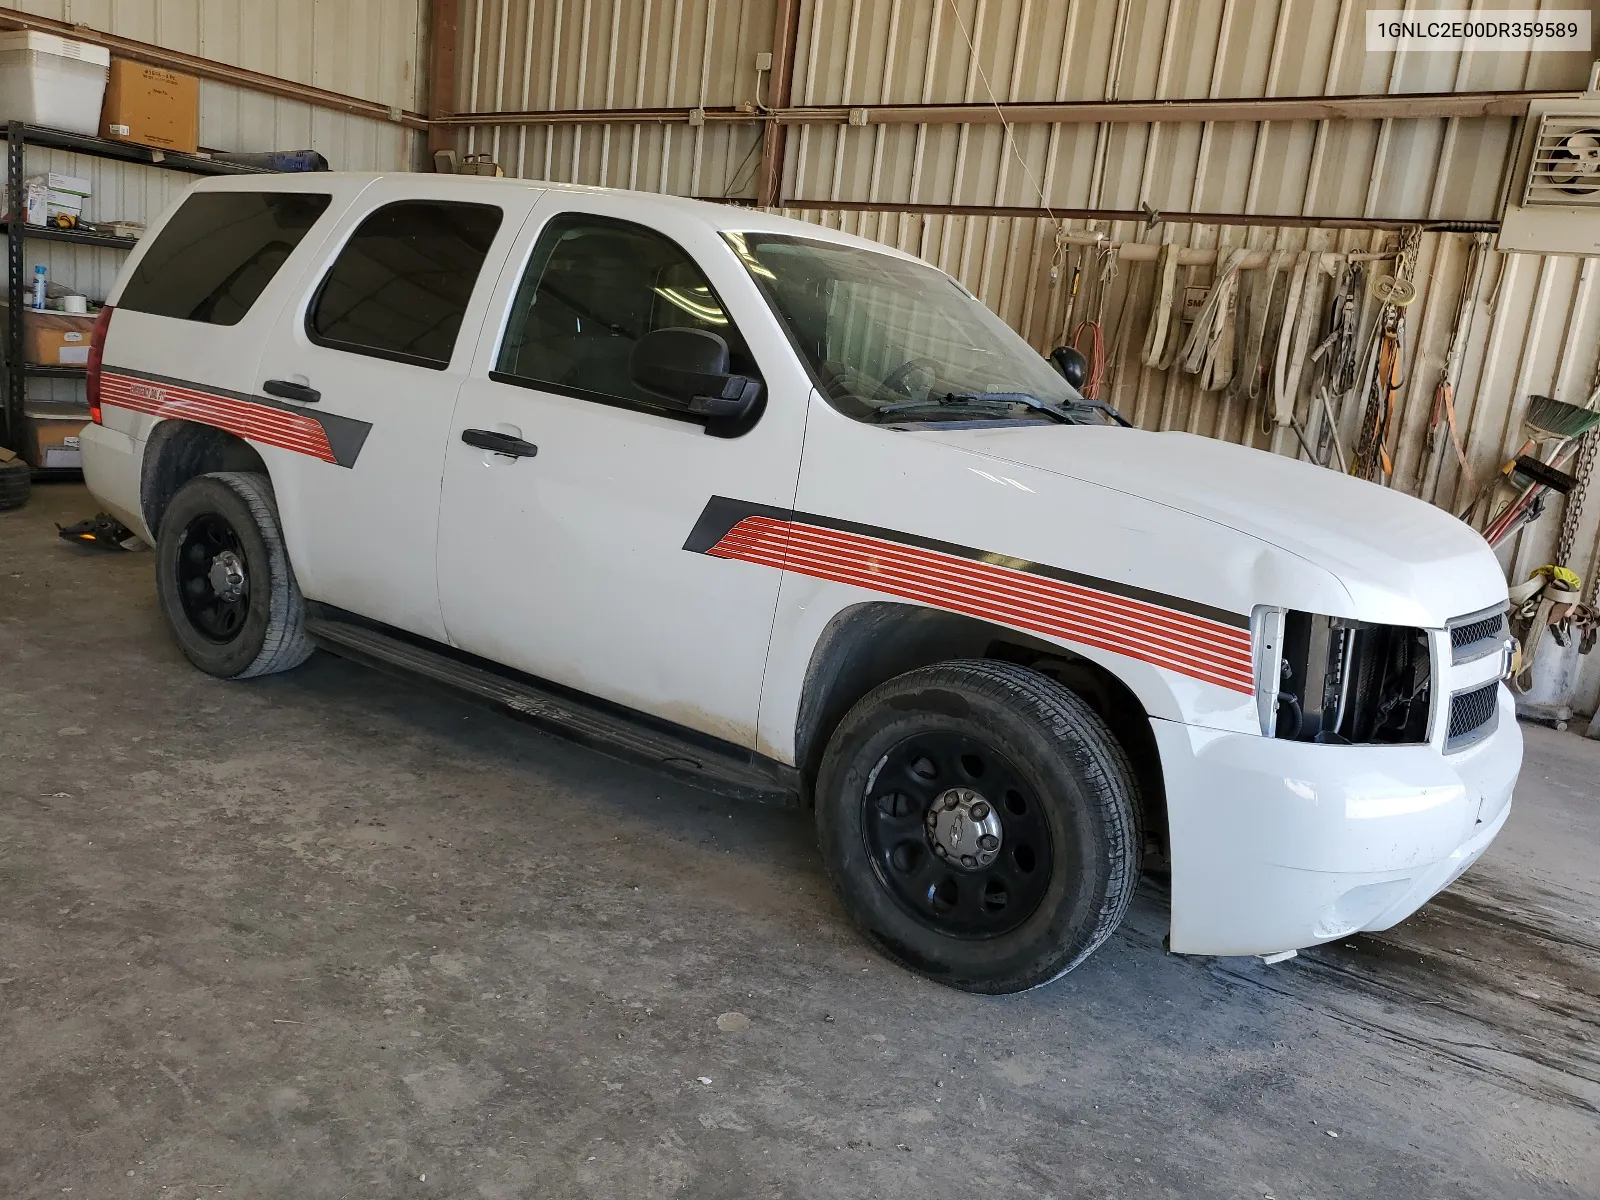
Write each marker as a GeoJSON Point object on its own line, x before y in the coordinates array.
{"type": "Point", "coordinates": [1277, 845]}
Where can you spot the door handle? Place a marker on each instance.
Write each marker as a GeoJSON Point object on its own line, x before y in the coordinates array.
{"type": "Point", "coordinates": [500, 443]}
{"type": "Point", "coordinates": [298, 392]}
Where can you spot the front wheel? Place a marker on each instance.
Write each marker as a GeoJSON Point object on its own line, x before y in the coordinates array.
{"type": "Point", "coordinates": [980, 823]}
{"type": "Point", "coordinates": [224, 579]}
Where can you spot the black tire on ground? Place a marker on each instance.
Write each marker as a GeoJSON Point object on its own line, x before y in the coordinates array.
{"type": "Point", "coordinates": [16, 479]}
{"type": "Point", "coordinates": [988, 740]}
{"type": "Point", "coordinates": [224, 579]}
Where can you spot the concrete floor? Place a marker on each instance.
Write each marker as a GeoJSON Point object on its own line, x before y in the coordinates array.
{"type": "Point", "coordinates": [329, 935]}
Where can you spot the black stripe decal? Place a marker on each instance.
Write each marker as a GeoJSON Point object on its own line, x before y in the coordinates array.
{"type": "Point", "coordinates": [721, 514]}
{"type": "Point", "coordinates": [346, 435]}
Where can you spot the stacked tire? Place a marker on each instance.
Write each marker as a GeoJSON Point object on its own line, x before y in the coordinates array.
{"type": "Point", "coordinates": [15, 480]}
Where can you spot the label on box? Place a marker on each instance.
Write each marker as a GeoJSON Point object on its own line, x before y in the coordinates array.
{"type": "Point", "coordinates": [122, 129]}
{"type": "Point", "coordinates": [63, 456]}
{"type": "Point", "coordinates": [74, 356]}
{"type": "Point", "coordinates": [72, 335]}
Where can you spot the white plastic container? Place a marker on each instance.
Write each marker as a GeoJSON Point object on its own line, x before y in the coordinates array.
{"type": "Point", "coordinates": [50, 81]}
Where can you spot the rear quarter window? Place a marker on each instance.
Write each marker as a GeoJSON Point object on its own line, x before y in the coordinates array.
{"type": "Point", "coordinates": [400, 286]}
{"type": "Point", "coordinates": [219, 251]}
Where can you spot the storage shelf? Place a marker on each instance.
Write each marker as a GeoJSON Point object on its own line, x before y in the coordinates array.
{"type": "Point", "coordinates": [60, 139]}
{"type": "Point", "coordinates": [46, 233]}
{"type": "Point", "coordinates": [15, 429]}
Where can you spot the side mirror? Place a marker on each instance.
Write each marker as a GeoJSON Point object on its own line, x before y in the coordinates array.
{"type": "Point", "coordinates": [1074, 367]}
{"type": "Point", "coordinates": [688, 368]}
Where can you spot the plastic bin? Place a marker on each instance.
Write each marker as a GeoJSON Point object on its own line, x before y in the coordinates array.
{"type": "Point", "coordinates": [47, 80]}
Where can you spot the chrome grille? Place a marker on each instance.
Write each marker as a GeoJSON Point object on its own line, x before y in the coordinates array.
{"type": "Point", "coordinates": [1472, 716]}
{"type": "Point", "coordinates": [1477, 635]}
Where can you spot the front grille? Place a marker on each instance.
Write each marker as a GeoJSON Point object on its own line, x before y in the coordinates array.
{"type": "Point", "coordinates": [1477, 635]}
{"type": "Point", "coordinates": [1472, 716]}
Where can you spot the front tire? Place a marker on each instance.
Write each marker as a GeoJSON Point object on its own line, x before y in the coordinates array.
{"type": "Point", "coordinates": [980, 823]}
{"type": "Point", "coordinates": [224, 579]}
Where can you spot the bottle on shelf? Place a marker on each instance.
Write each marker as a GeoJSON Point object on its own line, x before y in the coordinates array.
{"type": "Point", "coordinates": [41, 281]}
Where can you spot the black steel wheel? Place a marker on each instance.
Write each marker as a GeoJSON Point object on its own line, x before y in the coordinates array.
{"type": "Point", "coordinates": [957, 835]}
{"type": "Point", "coordinates": [980, 823]}
{"type": "Point", "coordinates": [224, 579]}
{"type": "Point", "coordinates": [213, 584]}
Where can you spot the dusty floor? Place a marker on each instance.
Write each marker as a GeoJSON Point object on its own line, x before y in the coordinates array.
{"type": "Point", "coordinates": [327, 935]}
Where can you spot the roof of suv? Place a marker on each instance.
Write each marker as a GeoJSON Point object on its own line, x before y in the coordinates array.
{"type": "Point", "coordinates": [733, 218]}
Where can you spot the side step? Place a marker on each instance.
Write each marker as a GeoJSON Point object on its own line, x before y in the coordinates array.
{"type": "Point", "coordinates": [732, 772]}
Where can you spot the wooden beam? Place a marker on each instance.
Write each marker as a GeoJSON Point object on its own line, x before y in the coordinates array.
{"type": "Point", "coordinates": [785, 38]}
{"type": "Point", "coordinates": [444, 43]}
{"type": "Point", "coordinates": [205, 68]}
{"type": "Point", "coordinates": [1275, 108]}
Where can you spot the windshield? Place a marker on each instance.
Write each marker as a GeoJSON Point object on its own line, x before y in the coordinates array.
{"type": "Point", "coordinates": [896, 341]}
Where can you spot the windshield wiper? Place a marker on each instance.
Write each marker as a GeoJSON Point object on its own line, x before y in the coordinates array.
{"type": "Point", "coordinates": [1101, 406]}
{"type": "Point", "coordinates": [978, 399]}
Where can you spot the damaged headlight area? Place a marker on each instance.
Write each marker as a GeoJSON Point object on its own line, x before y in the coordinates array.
{"type": "Point", "coordinates": [1338, 681]}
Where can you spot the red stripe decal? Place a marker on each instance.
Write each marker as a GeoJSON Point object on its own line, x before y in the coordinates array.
{"type": "Point", "coordinates": [254, 422]}
{"type": "Point", "coordinates": [1175, 641]}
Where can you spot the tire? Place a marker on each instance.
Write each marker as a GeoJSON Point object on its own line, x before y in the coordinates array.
{"type": "Point", "coordinates": [16, 480]}
{"type": "Point", "coordinates": [243, 616]}
{"type": "Point", "coordinates": [1041, 763]}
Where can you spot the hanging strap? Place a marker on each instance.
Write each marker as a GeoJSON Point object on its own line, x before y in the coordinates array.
{"type": "Point", "coordinates": [1204, 353]}
{"type": "Point", "coordinates": [1286, 378]}
{"type": "Point", "coordinates": [1260, 306]}
{"type": "Point", "coordinates": [1161, 308]}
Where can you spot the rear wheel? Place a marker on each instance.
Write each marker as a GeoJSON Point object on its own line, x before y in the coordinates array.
{"type": "Point", "coordinates": [979, 821]}
{"type": "Point", "coordinates": [224, 579]}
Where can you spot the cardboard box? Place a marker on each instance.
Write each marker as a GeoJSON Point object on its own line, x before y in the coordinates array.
{"type": "Point", "coordinates": [58, 182]}
{"type": "Point", "coordinates": [63, 210]}
{"type": "Point", "coordinates": [153, 107]}
{"type": "Point", "coordinates": [55, 339]}
{"type": "Point", "coordinates": [57, 442]}
{"type": "Point", "coordinates": [33, 201]}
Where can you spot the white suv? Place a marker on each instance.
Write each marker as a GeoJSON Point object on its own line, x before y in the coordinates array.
{"type": "Point", "coordinates": [793, 514]}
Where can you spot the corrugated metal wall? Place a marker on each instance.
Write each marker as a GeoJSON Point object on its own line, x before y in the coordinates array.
{"type": "Point", "coordinates": [1534, 330]}
{"type": "Point", "coordinates": [367, 48]}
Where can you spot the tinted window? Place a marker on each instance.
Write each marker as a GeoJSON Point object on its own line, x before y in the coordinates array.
{"type": "Point", "coordinates": [401, 283]}
{"type": "Point", "coordinates": [593, 288]}
{"type": "Point", "coordinates": [219, 251]}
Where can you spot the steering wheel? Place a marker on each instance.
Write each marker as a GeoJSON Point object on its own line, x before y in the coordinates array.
{"type": "Point", "coordinates": [896, 380]}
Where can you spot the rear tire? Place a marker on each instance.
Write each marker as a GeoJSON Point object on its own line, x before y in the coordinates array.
{"type": "Point", "coordinates": [224, 579]}
{"type": "Point", "coordinates": [979, 822]}
{"type": "Point", "coordinates": [16, 481]}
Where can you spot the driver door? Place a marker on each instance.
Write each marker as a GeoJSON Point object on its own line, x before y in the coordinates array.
{"type": "Point", "coordinates": [571, 563]}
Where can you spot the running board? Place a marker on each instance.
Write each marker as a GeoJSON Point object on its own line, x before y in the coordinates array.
{"type": "Point", "coordinates": [564, 716]}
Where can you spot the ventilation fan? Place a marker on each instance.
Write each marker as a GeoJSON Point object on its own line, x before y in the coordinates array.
{"type": "Point", "coordinates": [1553, 205]}
{"type": "Point", "coordinates": [1566, 161]}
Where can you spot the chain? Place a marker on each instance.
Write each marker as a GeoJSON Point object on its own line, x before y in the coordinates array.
{"type": "Point", "coordinates": [1574, 508]}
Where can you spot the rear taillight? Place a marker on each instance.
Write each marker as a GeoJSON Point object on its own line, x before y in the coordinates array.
{"type": "Point", "coordinates": [97, 352]}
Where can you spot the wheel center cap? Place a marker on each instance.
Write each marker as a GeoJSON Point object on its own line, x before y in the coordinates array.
{"type": "Point", "coordinates": [964, 828]}
{"type": "Point", "coordinates": [226, 576]}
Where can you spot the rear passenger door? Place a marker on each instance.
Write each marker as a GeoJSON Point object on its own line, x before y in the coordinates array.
{"type": "Point", "coordinates": [375, 344]}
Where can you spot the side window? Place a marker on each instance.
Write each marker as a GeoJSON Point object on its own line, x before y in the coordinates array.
{"type": "Point", "coordinates": [218, 253]}
{"type": "Point", "coordinates": [401, 284]}
{"type": "Point", "coordinates": [593, 288]}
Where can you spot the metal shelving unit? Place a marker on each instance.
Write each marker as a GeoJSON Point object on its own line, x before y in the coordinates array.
{"type": "Point", "coordinates": [16, 431]}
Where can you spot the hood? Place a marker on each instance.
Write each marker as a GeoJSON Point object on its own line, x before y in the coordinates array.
{"type": "Point", "coordinates": [1393, 553]}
